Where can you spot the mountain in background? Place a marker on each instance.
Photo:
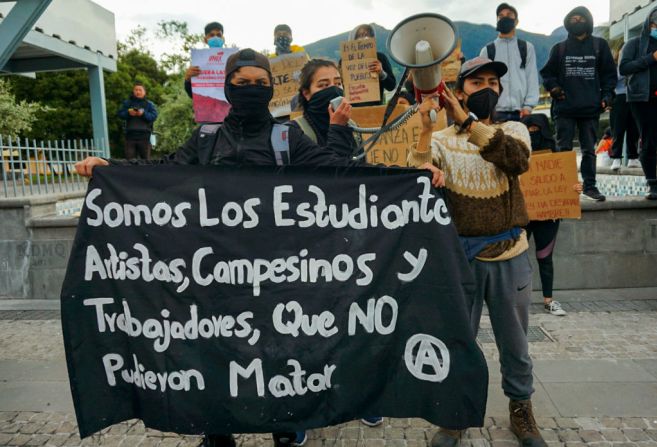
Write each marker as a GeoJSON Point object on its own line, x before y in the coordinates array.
{"type": "Point", "coordinates": [473, 38]}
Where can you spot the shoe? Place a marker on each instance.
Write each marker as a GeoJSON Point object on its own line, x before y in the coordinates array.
{"type": "Point", "coordinates": [446, 438]}
{"type": "Point", "coordinates": [652, 194]}
{"type": "Point", "coordinates": [554, 307]}
{"type": "Point", "coordinates": [300, 439]}
{"type": "Point", "coordinates": [634, 163]}
{"type": "Point", "coordinates": [616, 164]}
{"type": "Point", "coordinates": [284, 439]}
{"type": "Point", "coordinates": [218, 441]}
{"type": "Point", "coordinates": [523, 424]}
{"type": "Point", "coordinates": [593, 194]}
{"type": "Point", "coordinates": [372, 421]}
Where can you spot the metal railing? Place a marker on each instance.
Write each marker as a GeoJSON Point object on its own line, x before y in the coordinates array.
{"type": "Point", "coordinates": [33, 168]}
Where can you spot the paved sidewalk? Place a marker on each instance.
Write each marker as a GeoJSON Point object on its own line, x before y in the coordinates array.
{"type": "Point", "coordinates": [595, 377]}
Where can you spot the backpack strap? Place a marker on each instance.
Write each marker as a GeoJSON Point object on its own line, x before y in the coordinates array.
{"type": "Point", "coordinates": [280, 142]}
{"type": "Point", "coordinates": [207, 138]}
{"type": "Point", "coordinates": [490, 50]}
{"type": "Point", "coordinates": [306, 127]}
{"type": "Point", "coordinates": [522, 47]}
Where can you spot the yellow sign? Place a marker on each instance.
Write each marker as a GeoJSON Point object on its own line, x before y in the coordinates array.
{"type": "Point", "coordinates": [360, 84]}
{"type": "Point", "coordinates": [548, 186]}
{"type": "Point", "coordinates": [286, 70]}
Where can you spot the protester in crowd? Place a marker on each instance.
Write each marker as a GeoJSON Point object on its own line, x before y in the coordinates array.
{"type": "Point", "coordinates": [623, 125]}
{"type": "Point", "coordinates": [544, 231]}
{"type": "Point", "coordinates": [139, 114]}
{"type": "Point", "coordinates": [489, 215]}
{"type": "Point", "coordinates": [520, 85]}
{"type": "Point", "coordinates": [214, 38]}
{"type": "Point", "coordinates": [283, 41]}
{"type": "Point", "coordinates": [580, 75]}
{"type": "Point", "coordinates": [381, 66]}
{"type": "Point", "coordinates": [319, 83]}
{"type": "Point", "coordinates": [639, 64]}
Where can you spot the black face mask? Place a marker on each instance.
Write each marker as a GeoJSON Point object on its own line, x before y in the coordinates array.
{"type": "Point", "coordinates": [320, 100]}
{"type": "Point", "coordinates": [537, 140]}
{"type": "Point", "coordinates": [249, 101]}
{"type": "Point", "coordinates": [579, 28]}
{"type": "Point", "coordinates": [506, 24]}
{"type": "Point", "coordinates": [482, 103]}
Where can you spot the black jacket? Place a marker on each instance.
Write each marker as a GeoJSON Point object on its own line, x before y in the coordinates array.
{"type": "Point", "coordinates": [635, 64]}
{"type": "Point", "coordinates": [236, 143]}
{"type": "Point", "coordinates": [584, 69]}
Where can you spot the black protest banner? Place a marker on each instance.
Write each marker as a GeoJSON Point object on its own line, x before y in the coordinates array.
{"type": "Point", "coordinates": [211, 300]}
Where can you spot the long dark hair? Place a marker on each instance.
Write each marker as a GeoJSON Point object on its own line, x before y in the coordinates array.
{"type": "Point", "coordinates": [306, 78]}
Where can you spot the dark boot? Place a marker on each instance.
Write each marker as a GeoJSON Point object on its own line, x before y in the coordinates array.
{"type": "Point", "coordinates": [523, 424]}
{"type": "Point", "coordinates": [284, 439]}
{"type": "Point", "coordinates": [446, 438]}
{"type": "Point", "coordinates": [652, 194]}
{"type": "Point", "coordinates": [218, 441]}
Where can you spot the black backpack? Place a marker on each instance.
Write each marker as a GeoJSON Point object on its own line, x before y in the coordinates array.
{"type": "Point", "coordinates": [522, 46]}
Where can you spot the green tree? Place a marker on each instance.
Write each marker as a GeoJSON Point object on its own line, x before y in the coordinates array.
{"type": "Point", "coordinates": [17, 116]}
{"type": "Point", "coordinates": [175, 122]}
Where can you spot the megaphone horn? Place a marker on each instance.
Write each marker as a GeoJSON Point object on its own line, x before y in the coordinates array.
{"type": "Point", "coordinates": [421, 42]}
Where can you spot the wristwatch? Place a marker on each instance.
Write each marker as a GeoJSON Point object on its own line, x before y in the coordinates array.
{"type": "Point", "coordinates": [466, 123]}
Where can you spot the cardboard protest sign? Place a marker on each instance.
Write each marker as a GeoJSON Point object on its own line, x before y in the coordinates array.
{"type": "Point", "coordinates": [548, 186]}
{"type": "Point", "coordinates": [286, 70]}
{"type": "Point", "coordinates": [451, 66]}
{"type": "Point", "coordinates": [392, 148]}
{"type": "Point", "coordinates": [222, 300]}
{"type": "Point", "coordinates": [360, 85]}
{"type": "Point", "coordinates": [210, 105]}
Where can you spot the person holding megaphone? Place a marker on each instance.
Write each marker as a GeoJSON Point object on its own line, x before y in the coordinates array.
{"type": "Point", "coordinates": [481, 161]}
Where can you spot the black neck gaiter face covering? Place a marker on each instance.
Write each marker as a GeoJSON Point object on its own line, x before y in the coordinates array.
{"type": "Point", "coordinates": [537, 140]}
{"type": "Point", "coordinates": [317, 108]}
{"type": "Point", "coordinates": [482, 103]}
{"type": "Point", "coordinates": [249, 102]}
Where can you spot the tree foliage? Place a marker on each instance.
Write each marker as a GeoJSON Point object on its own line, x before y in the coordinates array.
{"type": "Point", "coordinates": [17, 116]}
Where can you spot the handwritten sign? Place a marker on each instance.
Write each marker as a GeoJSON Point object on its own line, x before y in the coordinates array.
{"type": "Point", "coordinates": [360, 85]}
{"type": "Point", "coordinates": [548, 186]}
{"type": "Point", "coordinates": [210, 105]}
{"type": "Point", "coordinates": [217, 300]}
{"type": "Point", "coordinates": [392, 147]}
{"type": "Point", "coordinates": [451, 66]}
{"type": "Point", "coordinates": [286, 70]}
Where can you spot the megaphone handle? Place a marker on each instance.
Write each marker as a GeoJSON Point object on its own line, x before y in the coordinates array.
{"type": "Point", "coordinates": [393, 100]}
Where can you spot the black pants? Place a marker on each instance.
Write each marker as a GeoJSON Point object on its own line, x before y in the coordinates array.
{"type": "Point", "coordinates": [645, 114]}
{"type": "Point", "coordinates": [622, 125]}
{"type": "Point", "coordinates": [545, 238]}
{"type": "Point", "coordinates": [141, 147]}
{"type": "Point", "coordinates": [588, 129]}
{"type": "Point", "coordinates": [507, 116]}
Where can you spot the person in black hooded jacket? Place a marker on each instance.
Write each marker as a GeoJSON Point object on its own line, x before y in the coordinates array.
{"type": "Point", "coordinates": [580, 75]}
{"type": "Point", "coordinates": [638, 63]}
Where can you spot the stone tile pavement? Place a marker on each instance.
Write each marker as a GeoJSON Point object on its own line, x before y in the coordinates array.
{"type": "Point", "coordinates": [595, 376]}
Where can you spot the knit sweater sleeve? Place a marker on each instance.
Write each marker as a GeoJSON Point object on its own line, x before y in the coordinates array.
{"type": "Point", "coordinates": [417, 159]}
{"type": "Point", "coordinates": [506, 147]}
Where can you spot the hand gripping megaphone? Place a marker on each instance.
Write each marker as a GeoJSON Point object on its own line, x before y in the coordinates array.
{"type": "Point", "coordinates": [421, 42]}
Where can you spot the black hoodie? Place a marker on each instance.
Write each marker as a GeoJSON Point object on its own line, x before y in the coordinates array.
{"type": "Point", "coordinates": [637, 62]}
{"type": "Point", "coordinates": [584, 69]}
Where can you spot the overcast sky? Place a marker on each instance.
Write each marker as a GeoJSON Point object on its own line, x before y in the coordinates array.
{"type": "Point", "coordinates": [250, 23]}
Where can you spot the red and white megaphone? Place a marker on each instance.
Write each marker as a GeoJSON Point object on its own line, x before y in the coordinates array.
{"type": "Point", "coordinates": [421, 42]}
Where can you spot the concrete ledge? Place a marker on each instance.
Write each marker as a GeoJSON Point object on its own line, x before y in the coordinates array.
{"type": "Point", "coordinates": [619, 203]}
{"type": "Point", "coordinates": [21, 201]}
{"type": "Point", "coordinates": [53, 221]}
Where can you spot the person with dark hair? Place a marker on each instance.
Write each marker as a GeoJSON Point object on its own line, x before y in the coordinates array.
{"type": "Point", "coordinates": [580, 75]}
{"type": "Point", "coordinates": [639, 64]}
{"type": "Point", "coordinates": [544, 231]}
{"type": "Point", "coordinates": [482, 161]}
{"type": "Point", "coordinates": [381, 66]}
{"type": "Point", "coordinates": [319, 83]}
{"type": "Point", "coordinates": [139, 114]}
{"type": "Point", "coordinates": [520, 84]}
{"type": "Point", "coordinates": [623, 125]}
{"type": "Point", "coordinates": [283, 41]}
{"type": "Point", "coordinates": [214, 38]}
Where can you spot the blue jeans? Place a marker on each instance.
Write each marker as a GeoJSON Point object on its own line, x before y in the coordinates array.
{"type": "Point", "coordinates": [507, 116]}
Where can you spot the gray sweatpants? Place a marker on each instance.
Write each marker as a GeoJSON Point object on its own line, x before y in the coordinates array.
{"type": "Point", "coordinates": [506, 287]}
